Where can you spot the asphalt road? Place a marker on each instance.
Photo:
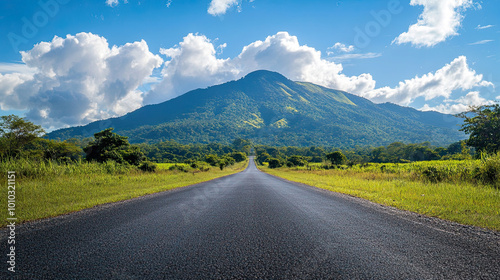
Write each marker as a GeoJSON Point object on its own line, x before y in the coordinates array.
{"type": "Point", "coordinates": [250, 226]}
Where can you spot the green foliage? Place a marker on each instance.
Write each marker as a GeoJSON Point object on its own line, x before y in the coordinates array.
{"type": "Point", "coordinates": [336, 158]}
{"type": "Point", "coordinates": [148, 166]}
{"type": "Point", "coordinates": [15, 134]}
{"type": "Point", "coordinates": [32, 169]}
{"type": "Point", "coordinates": [483, 127]}
{"type": "Point", "coordinates": [243, 145]}
{"type": "Point", "coordinates": [296, 161]}
{"type": "Point", "coordinates": [43, 149]}
{"type": "Point", "coordinates": [488, 172]}
{"type": "Point", "coordinates": [262, 157]}
{"type": "Point", "coordinates": [108, 145]}
{"type": "Point", "coordinates": [275, 163]}
{"type": "Point", "coordinates": [171, 151]}
{"type": "Point", "coordinates": [213, 160]}
{"type": "Point", "coordinates": [238, 156]}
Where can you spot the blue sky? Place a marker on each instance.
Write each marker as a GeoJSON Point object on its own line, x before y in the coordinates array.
{"type": "Point", "coordinates": [69, 62]}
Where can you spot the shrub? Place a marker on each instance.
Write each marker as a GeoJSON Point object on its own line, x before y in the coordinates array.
{"type": "Point", "coordinates": [147, 166]}
{"type": "Point", "coordinates": [274, 163]}
{"type": "Point", "coordinates": [432, 174]}
{"type": "Point", "coordinates": [296, 161]}
{"type": "Point", "coordinates": [238, 156]}
{"type": "Point", "coordinates": [488, 172]}
{"type": "Point", "coordinates": [336, 158]}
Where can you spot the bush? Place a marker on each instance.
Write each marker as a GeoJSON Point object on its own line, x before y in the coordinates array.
{"type": "Point", "coordinates": [238, 156]}
{"type": "Point", "coordinates": [336, 158]}
{"type": "Point", "coordinates": [213, 160]}
{"type": "Point", "coordinates": [488, 172]}
{"type": "Point", "coordinates": [296, 161]}
{"type": "Point", "coordinates": [147, 166]}
{"type": "Point", "coordinates": [274, 163]}
{"type": "Point", "coordinates": [432, 174]}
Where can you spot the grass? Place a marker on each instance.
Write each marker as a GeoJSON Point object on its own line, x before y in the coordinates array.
{"type": "Point", "coordinates": [48, 189]}
{"type": "Point", "coordinates": [403, 186]}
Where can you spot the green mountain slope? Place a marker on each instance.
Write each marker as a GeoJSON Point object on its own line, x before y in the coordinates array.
{"type": "Point", "coordinates": [270, 109]}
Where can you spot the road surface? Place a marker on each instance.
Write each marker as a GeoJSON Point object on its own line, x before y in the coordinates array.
{"type": "Point", "coordinates": [250, 226]}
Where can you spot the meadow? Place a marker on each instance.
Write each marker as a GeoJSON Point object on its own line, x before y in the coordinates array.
{"type": "Point", "coordinates": [464, 191]}
{"type": "Point", "coordinates": [47, 189]}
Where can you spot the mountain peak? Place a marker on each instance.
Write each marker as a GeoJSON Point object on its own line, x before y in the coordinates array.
{"type": "Point", "coordinates": [268, 108]}
{"type": "Point", "coordinates": [266, 75]}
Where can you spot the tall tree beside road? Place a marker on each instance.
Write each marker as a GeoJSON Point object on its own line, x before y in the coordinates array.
{"type": "Point", "coordinates": [483, 126]}
{"type": "Point", "coordinates": [15, 133]}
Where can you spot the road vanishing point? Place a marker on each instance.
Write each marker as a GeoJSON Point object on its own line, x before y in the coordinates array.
{"type": "Point", "coordinates": [250, 225]}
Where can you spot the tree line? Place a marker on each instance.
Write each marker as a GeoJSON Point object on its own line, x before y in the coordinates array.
{"type": "Point", "coordinates": [20, 138]}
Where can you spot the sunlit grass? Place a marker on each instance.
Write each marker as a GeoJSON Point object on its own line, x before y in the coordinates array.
{"type": "Point", "coordinates": [462, 202]}
{"type": "Point", "coordinates": [47, 190]}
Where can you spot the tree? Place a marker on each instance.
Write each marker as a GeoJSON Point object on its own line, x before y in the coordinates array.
{"type": "Point", "coordinates": [53, 150]}
{"type": "Point", "coordinates": [336, 157]}
{"type": "Point", "coordinates": [263, 157]}
{"type": "Point", "coordinates": [108, 145]}
{"type": "Point", "coordinates": [15, 133]}
{"type": "Point", "coordinates": [213, 160]}
{"type": "Point", "coordinates": [482, 123]}
{"type": "Point", "coordinates": [242, 145]}
{"type": "Point", "coordinates": [274, 163]}
{"type": "Point", "coordinates": [238, 156]}
{"type": "Point", "coordinates": [296, 161]}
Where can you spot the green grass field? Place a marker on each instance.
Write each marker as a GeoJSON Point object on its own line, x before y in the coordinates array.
{"type": "Point", "coordinates": [403, 186]}
{"type": "Point", "coordinates": [47, 190]}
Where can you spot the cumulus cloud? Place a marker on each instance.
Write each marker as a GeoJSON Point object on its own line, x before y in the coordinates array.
{"type": "Point", "coordinates": [194, 64]}
{"type": "Point", "coordinates": [190, 65]}
{"type": "Point", "coordinates": [339, 47]}
{"type": "Point", "coordinates": [79, 79]}
{"type": "Point", "coordinates": [459, 105]}
{"type": "Point", "coordinates": [453, 76]}
{"type": "Point", "coordinates": [439, 21]}
{"type": "Point", "coordinates": [219, 7]}
{"type": "Point", "coordinates": [15, 68]}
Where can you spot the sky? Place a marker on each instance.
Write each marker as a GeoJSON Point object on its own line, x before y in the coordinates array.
{"type": "Point", "coordinates": [67, 62]}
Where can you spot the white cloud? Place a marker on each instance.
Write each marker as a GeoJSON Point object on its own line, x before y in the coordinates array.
{"type": "Point", "coordinates": [460, 105]}
{"type": "Point", "coordinates": [356, 56]}
{"type": "Point", "coordinates": [219, 7]}
{"type": "Point", "coordinates": [339, 47]}
{"type": "Point", "coordinates": [481, 42]}
{"type": "Point", "coordinates": [479, 27]}
{"type": "Point", "coordinates": [453, 76]}
{"type": "Point", "coordinates": [439, 20]}
{"type": "Point", "coordinates": [79, 79]}
{"type": "Point", "coordinates": [169, 2]}
{"type": "Point", "coordinates": [194, 64]}
{"type": "Point", "coordinates": [111, 3]}
{"type": "Point", "coordinates": [6, 68]}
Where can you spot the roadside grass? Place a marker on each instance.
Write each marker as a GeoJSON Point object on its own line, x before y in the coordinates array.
{"type": "Point", "coordinates": [404, 188]}
{"type": "Point", "coordinates": [48, 189]}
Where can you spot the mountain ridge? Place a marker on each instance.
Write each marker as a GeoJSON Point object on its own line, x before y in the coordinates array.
{"type": "Point", "coordinates": [268, 108]}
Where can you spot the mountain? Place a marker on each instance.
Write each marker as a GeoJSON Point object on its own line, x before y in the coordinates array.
{"type": "Point", "coordinates": [270, 109]}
